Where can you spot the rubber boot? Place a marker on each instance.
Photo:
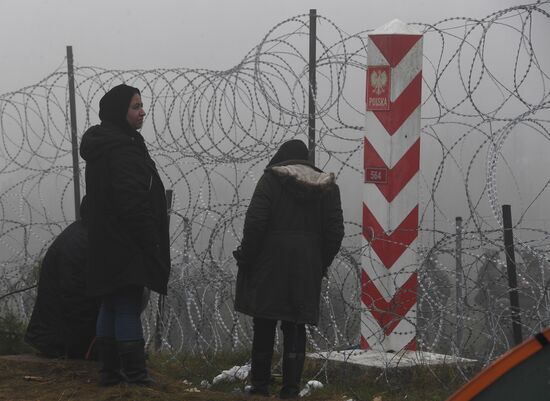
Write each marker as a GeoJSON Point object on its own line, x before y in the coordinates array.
{"type": "Point", "coordinates": [109, 372]}
{"type": "Point", "coordinates": [260, 373]}
{"type": "Point", "coordinates": [293, 365]}
{"type": "Point", "coordinates": [132, 358]}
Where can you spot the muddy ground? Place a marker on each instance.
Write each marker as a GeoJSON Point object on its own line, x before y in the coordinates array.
{"type": "Point", "coordinates": [28, 377]}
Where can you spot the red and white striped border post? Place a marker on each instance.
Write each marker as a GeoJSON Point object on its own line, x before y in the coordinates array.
{"type": "Point", "coordinates": [390, 197]}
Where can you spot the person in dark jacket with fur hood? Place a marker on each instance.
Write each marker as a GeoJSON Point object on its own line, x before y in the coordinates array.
{"type": "Point", "coordinates": [129, 247]}
{"type": "Point", "coordinates": [293, 230]}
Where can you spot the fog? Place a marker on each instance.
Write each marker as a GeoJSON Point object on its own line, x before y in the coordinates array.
{"type": "Point", "coordinates": [210, 34]}
{"type": "Point", "coordinates": [474, 117]}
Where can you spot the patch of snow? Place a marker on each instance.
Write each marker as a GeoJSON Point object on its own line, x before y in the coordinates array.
{"type": "Point", "coordinates": [235, 373]}
{"type": "Point", "coordinates": [309, 387]}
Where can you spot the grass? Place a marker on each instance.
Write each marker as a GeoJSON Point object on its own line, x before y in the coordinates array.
{"type": "Point", "coordinates": [179, 377]}
{"type": "Point", "coordinates": [12, 331]}
{"type": "Point", "coordinates": [342, 381]}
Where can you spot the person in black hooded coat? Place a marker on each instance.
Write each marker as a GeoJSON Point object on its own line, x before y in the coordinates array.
{"type": "Point", "coordinates": [293, 230]}
{"type": "Point", "coordinates": [128, 232]}
{"type": "Point", "coordinates": [63, 319]}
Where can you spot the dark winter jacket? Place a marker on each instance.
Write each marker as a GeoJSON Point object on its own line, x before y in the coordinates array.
{"type": "Point", "coordinates": [128, 228]}
{"type": "Point", "coordinates": [63, 319]}
{"type": "Point", "coordinates": [292, 232]}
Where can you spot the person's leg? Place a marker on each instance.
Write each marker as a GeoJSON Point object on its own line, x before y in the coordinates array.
{"type": "Point", "coordinates": [129, 335]}
{"type": "Point", "coordinates": [294, 349]}
{"type": "Point", "coordinates": [262, 353]}
{"type": "Point", "coordinates": [109, 372]}
{"type": "Point", "coordinates": [127, 310]}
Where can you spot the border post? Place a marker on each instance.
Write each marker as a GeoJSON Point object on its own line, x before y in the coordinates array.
{"type": "Point", "coordinates": [390, 197]}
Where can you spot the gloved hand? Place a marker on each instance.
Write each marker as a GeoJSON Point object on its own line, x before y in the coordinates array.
{"type": "Point", "coordinates": [239, 257]}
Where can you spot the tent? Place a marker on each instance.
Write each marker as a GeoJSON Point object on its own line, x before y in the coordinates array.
{"type": "Point", "coordinates": [521, 374]}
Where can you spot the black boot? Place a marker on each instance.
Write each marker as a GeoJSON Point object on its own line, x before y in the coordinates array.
{"type": "Point", "coordinates": [132, 358]}
{"type": "Point", "coordinates": [293, 364]}
{"type": "Point", "coordinates": [260, 373]}
{"type": "Point", "coordinates": [109, 372]}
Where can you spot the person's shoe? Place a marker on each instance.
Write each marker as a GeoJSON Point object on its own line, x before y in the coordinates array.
{"type": "Point", "coordinates": [293, 364]}
{"type": "Point", "coordinates": [260, 373]}
{"type": "Point", "coordinates": [109, 371]}
{"type": "Point", "coordinates": [257, 390]}
{"type": "Point", "coordinates": [132, 359]}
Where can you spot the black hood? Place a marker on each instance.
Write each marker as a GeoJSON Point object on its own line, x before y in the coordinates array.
{"type": "Point", "coordinates": [113, 106]}
{"type": "Point", "coordinates": [302, 180]}
{"type": "Point", "coordinates": [100, 139]}
{"type": "Point", "coordinates": [294, 149]}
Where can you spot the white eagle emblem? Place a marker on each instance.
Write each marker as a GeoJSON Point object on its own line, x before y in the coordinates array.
{"type": "Point", "coordinates": [378, 80]}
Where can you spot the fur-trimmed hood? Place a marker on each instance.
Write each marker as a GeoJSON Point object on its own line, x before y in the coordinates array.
{"type": "Point", "coordinates": [301, 179]}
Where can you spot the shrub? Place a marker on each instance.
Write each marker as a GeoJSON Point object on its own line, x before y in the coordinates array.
{"type": "Point", "coordinates": [12, 331]}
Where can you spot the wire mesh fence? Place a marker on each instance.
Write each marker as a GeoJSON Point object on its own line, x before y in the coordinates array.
{"type": "Point", "coordinates": [485, 135]}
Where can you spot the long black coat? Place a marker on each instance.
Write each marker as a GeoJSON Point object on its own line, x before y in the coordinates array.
{"type": "Point", "coordinates": [63, 319]}
{"type": "Point", "coordinates": [292, 232]}
{"type": "Point", "coordinates": [128, 221]}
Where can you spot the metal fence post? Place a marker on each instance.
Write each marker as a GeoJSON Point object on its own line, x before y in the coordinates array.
{"type": "Point", "coordinates": [74, 137]}
{"type": "Point", "coordinates": [512, 278]}
{"type": "Point", "coordinates": [312, 83]}
{"type": "Point", "coordinates": [459, 281]}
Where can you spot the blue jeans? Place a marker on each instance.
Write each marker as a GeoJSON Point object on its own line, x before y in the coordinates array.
{"type": "Point", "coordinates": [119, 315]}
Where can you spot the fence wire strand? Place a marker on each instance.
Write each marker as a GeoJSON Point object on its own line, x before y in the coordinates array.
{"type": "Point", "coordinates": [485, 137]}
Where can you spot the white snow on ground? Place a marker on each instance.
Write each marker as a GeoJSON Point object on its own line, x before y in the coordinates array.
{"type": "Point", "coordinates": [309, 387]}
{"type": "Point", "coordinates": [235, 373]}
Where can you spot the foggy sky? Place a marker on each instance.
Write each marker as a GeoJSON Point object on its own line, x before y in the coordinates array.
{"type": "Point", "coordinates": [210, 34]}
{"type": "Point", "coordinates": [213, 34]}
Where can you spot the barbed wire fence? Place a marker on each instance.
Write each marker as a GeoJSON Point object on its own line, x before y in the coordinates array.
{"type": "Point", "coordinates": [485, 136]}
